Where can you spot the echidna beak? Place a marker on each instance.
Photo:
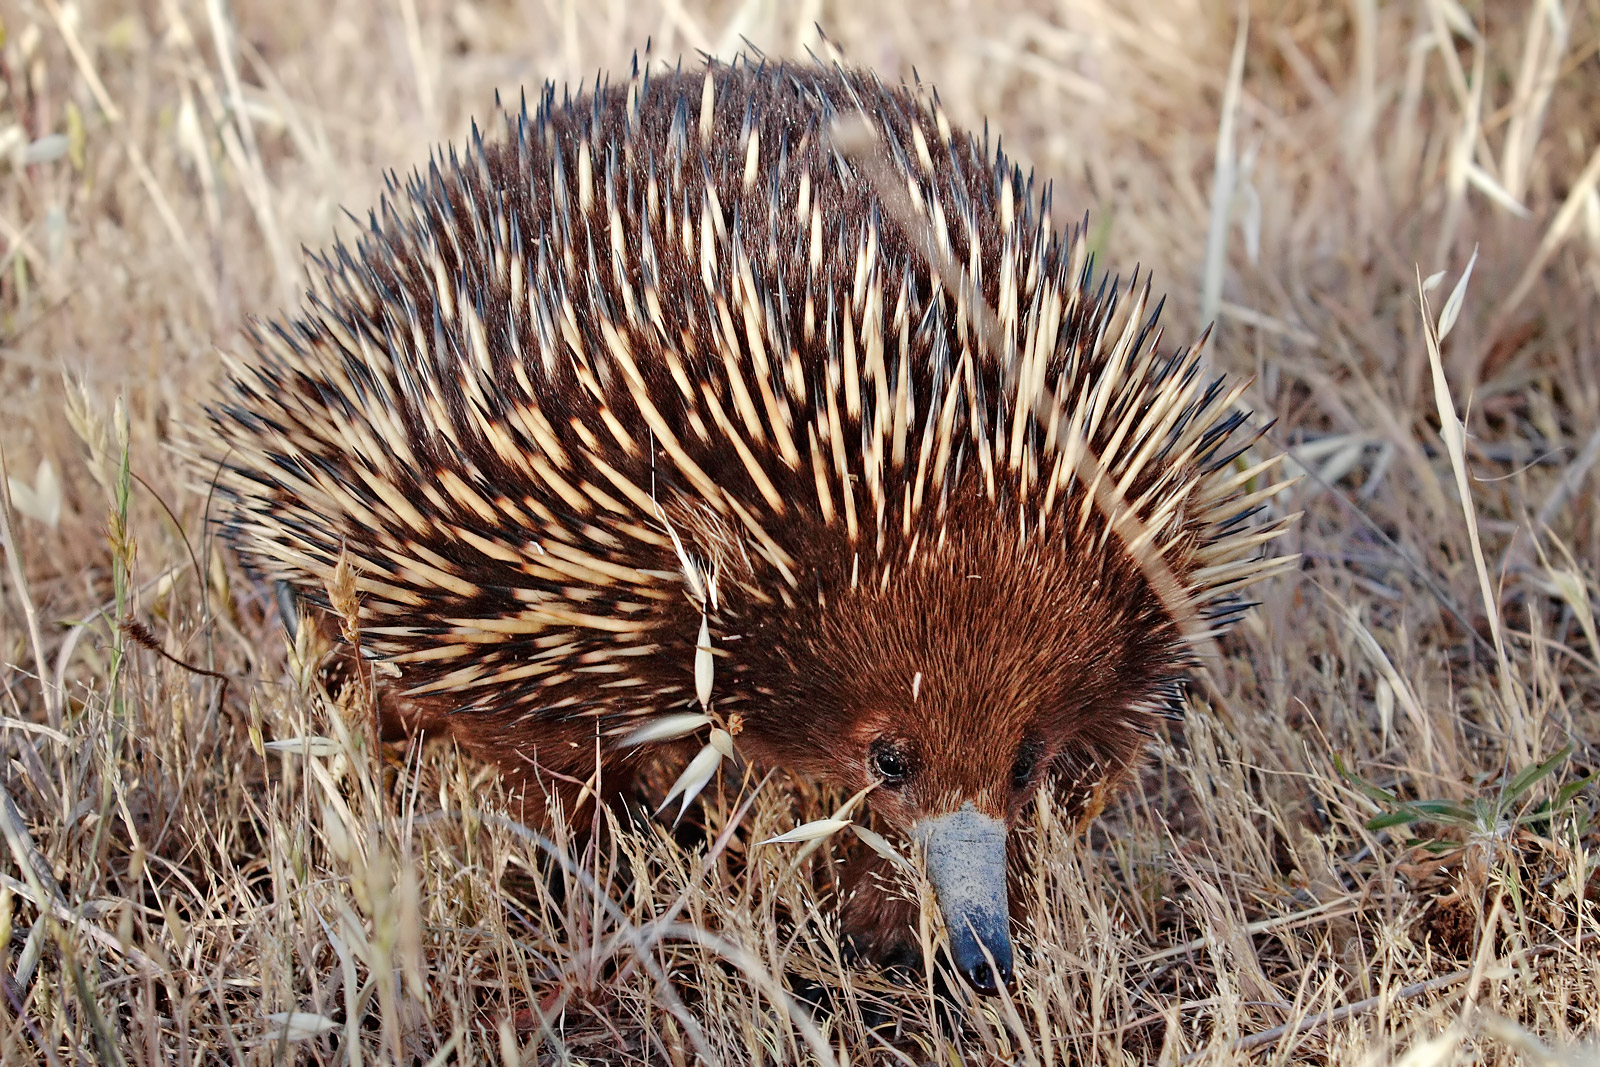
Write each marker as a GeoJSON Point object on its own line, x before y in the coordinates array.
{"type": "Point", "coordinates": [966, 854]}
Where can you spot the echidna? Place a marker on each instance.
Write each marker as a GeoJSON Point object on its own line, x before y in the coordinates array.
{"type": "Point", "coordinates": [672, 352]}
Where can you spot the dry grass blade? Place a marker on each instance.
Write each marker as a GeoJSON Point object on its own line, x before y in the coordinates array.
{"type": "Point", "coordinates": [1224, 174]}
{"type": "Point", "coordinates": [1453, 433]}
{"type": "Point", "coordinates": [1559, 228]}
{"type": "Point", "coordinates": [52, 696]}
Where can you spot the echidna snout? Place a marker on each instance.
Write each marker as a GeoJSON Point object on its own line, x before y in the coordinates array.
{"type": "Point", "coordinates": [966, 861]}
{"type": "Point", "coordinates": [669, 355]}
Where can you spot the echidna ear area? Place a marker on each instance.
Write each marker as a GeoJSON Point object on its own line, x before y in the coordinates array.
{"type": "Point", "coordinates": [679, 296]}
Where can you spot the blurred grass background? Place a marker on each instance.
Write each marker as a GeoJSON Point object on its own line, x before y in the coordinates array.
{"type": "Point", "coordinates": [1375, 838]}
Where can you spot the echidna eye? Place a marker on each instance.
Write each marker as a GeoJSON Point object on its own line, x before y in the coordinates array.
{"type": "Point", "coordinates": [890, 763]}
{"type": "Point", "coordinates": [1027, 762]}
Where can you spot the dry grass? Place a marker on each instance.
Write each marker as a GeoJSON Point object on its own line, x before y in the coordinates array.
{"type": "Point", "coordinates": [171, 888]}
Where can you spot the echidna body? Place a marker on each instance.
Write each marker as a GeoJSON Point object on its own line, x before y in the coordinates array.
{"type": "Point", "coordinates": [661, 357]}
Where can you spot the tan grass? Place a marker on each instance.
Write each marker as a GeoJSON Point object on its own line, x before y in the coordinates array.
{"type": "Point", "coordinates": [199, 872]}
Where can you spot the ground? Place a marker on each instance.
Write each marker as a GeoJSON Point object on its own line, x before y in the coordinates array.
{"type": "Point", "coordinates": [1372, 839]}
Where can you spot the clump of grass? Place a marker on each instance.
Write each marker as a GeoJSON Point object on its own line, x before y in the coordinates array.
{"type": "Point", "coordinates": [1374, 838]}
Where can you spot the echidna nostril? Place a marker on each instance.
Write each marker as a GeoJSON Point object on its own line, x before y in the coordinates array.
{"type": "Point", "coordinates": [982, 978]}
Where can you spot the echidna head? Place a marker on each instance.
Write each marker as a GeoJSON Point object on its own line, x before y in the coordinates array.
{"type": "Point", "coordinates": [961, 679]}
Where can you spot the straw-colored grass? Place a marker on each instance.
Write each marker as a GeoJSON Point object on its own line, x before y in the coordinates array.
{"type": "Point", "coordinates": [1371, 840]}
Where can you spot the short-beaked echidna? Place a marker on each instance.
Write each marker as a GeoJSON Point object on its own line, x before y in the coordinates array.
{"type": "Point", "coordinates": [672, 353]}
